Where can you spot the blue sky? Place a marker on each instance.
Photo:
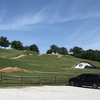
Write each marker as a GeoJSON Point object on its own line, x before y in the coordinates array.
{"type": "Point", "coordinates": [65, 23]}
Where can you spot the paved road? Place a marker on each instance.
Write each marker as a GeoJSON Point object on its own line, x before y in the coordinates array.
{"type": "Point", "coordinates": [50, 93]}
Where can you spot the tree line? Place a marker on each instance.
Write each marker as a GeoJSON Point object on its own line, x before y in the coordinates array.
{"type": "Point", "coordinates": [18, 45]}
{"type": "Point", "coordinates": [55, 49]}
{"type": "Point", "coordinates": [75, 51]}
{"type": "Point", "coordinates": [85, 54]}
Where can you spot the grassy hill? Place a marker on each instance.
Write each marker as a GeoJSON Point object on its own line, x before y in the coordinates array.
{"type": "Point", "coordinates": [47, 65]}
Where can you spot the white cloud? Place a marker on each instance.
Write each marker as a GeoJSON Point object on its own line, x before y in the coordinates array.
{"type": "Point", "coordinates": [90, 33]}
{"type": "Point", "coordinates": [2, 13]}
{"type": "Point", "coordinates": [94, 46]}
{"type": "Point", "coordinates": [22, 21]}
{"type": "Point", "coordinates": [80, 16]}
{"type": "Point", "coordinates": [50, 14]}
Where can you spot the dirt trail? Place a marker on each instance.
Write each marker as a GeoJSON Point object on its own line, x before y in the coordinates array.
{"type": "Point", "coordinates": [41, 54]}
{"type": "Point", "coordinates": [13, 69]}
{"type": "Point", "coordinates": [59, 56]}
{"type": "Point", "coordinates": [20, 56]}
{"type": "Point", "coordinates": [3, 57]}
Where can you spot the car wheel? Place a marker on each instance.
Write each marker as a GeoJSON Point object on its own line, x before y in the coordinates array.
{"type": "Point", "coordinates": [72, 83]}
{"type": "Point", "coordinates": [94, 85]}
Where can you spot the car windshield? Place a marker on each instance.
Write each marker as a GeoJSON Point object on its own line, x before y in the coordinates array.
{"type": "Point", "coordinates": [82, 76]}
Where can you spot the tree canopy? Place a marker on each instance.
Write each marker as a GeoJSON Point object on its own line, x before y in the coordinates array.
{"type": "Point", "coordinates": [34, 48]}
{"type": "Point", "coordinates": [4, 42]}
{"type": "Point", "coordinates": [63, 51]}
{"type": "Point", "coordinates": [86, 54]}
{"type": "Point", "coordinates": [77, 51]}
{"type": "Point", "coordinates": [55, 49]}
{"type": "Point", "coordinates": [16, 45]}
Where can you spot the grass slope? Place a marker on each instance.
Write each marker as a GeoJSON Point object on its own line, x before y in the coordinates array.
{"type": "Point", "coordinates": [47, 65]}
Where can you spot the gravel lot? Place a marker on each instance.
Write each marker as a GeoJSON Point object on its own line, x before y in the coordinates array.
{"type": "Point", "coordinates": [50, 93]}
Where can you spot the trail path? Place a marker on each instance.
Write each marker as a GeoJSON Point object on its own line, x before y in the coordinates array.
{"type": "Point", "coordinates": [59, 56]}
{"type": "Point", "coordinates": [20, 56]}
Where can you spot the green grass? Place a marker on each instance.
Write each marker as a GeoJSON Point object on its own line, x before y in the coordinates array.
{"type": "Point", "coordinates": [45, 65]}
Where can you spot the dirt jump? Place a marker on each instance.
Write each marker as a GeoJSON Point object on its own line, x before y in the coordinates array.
{"type": "Point", "coordinates": [59, 56]}
{"type": "Point", "coordinates": [20, 56]}
{"type": "Point", "coordinates": [13, 69]}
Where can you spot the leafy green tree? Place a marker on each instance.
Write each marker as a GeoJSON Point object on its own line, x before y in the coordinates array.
{"type": "Point", "coordinates": [49, 51]}
{"type": "Point", "coordinates": [90, 54]}
{"type": "Point", "coordinates": [26, 48]}
{"type": "Point", "coordinates": [4, 42]}
{"type": "Point", "coordinates": [34, 48]}
{"type": "Point", "coordinates": [63, 51]}
{"type": "Point", "coordinates": [17, 45]}
{"type": "Point", "coordinates": [97, 55]}
{"type": "Point", "coordinates": [76, 51]}
{"type": "Point", "coordinates": [54, 48]}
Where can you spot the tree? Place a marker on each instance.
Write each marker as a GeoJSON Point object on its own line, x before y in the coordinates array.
{"type": "Point", "coordinates": [17, 45]}
{"type": "Point", "coordinates": [63, 51]}
{"type": "Point", "coordinates": [26, 48]}
{"type": "Point", "coordinates": [76, 51]}
{"type": "Point", "coordinates": [54, 48]}
{"type": "Point", "coordinates": [90, 54]}
{"type": "Point", "coordinates": [49, 51]}
{"type": "Point", "coordinates": [4, 42]}
{"type": "Point", "coordinates": [34, 48]}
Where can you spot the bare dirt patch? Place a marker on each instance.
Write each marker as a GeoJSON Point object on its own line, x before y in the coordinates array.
{"type": "Point", "coordinates": [59, 56]}
{"type": "Point", "coordinates": [3, 57]}
{"type": "Point", "coordinates": [20, 56]}
{"type": "Point", "coordinates": [41, 54]}
{"type": "Point", "coordinates": [13, 69]}
{"type": "Point", "coordinates": [24, 50]}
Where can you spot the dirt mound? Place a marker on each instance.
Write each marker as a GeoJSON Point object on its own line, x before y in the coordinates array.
{"type": "Point", "coordinates": [24, 50]}
{"type": "Point", "coordinates": [3, 57]}
{"type": "Point", "coordinates": [20, 56]}
{"type": "Point", "coordinates": [59, 56]}
{"type": "Point", "coordinates": [13, 69]}
{"type": "Point", "coordinates": [41, 54]}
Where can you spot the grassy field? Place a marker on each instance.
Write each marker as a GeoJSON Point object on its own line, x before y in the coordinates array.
{"type": "Point", "coordinates": [45, 65]}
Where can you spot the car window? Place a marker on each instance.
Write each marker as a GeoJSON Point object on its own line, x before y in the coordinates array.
{"type": "Point", "coordinates": [82, 76]}
{"type": "Point", "coordinates": [88, 75]}
{"type": "Point", "coordinates": [95, 76]}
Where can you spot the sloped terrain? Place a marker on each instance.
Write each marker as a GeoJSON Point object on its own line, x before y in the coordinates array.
{"type": "Point", "coordinates": [42, 64]}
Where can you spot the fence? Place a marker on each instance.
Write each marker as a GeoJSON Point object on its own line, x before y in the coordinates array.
{"type": "Point", "coordinates": [10, 79]}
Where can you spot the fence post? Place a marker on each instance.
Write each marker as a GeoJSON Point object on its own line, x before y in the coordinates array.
{"type": "Point", "coordinates": [40, 79]}
{"type": "Point", "coordinates": [1, 78]}
{"type": "Point", "coordinates": [22, 79]}
{"type": "Point", "coordinates": [55, 79]}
